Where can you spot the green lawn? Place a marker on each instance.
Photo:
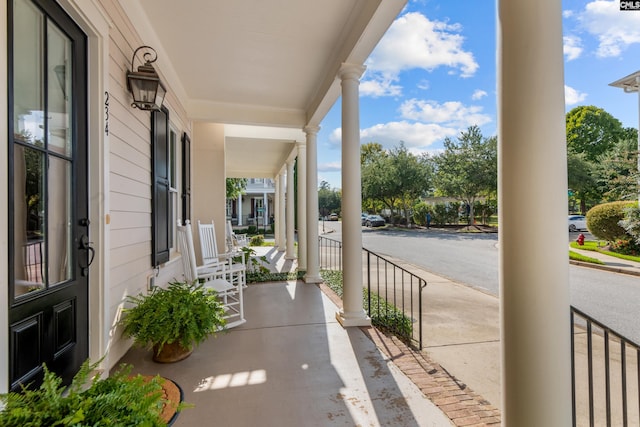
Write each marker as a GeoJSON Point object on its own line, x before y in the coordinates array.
{"type": "Point", "coordinates": [591, 245]}
{"type": "Point", "coordinates": [579, 257]}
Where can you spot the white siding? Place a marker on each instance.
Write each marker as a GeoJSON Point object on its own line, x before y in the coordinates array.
{"type": "Point", "coordinates": [130, 179]}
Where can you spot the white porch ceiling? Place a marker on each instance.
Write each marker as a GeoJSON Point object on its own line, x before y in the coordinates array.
{"type": "Point", "coordinates": [259, 62]}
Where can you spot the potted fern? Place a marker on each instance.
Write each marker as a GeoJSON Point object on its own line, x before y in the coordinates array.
{"type": "Point", "coordinates": [174, 319]}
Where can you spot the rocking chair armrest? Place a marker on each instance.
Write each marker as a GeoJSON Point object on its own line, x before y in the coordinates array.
{"type": "Point", "coordinates": [229, 255]}
{"type": "Point", "coordinates": [213, 263]}
{"type": "Point", "coordinates": [212, 269]}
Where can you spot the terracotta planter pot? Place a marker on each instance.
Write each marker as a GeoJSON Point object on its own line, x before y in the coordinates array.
{"type": "Point", "coordinates": [170, 353]}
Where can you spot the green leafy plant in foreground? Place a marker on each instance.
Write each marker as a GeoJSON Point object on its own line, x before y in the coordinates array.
{"type": "Point", "coordinates": [121, 400]}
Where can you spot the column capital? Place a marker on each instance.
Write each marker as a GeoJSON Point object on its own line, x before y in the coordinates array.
{"type": "Point", "coordinates": [351, 71]}
{"type": "Point", "coordinates": [301, 145]}
{"type": "Point", "coordinates": [311, 130]}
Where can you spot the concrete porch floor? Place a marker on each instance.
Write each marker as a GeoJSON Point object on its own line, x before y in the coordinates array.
{"type": "Point", "coordinates": [292, 364]}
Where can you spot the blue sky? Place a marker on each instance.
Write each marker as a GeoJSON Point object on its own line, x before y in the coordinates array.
{"type": "Point", "coordinates": [434, 74]}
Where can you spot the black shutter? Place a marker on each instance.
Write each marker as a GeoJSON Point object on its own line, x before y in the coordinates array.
{"type": "Point", "coordinates": [186, 177]}
{"type": "Point", "coordinates": [161, 203]}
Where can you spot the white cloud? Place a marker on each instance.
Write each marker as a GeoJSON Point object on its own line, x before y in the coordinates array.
{"type": "Point", "coordinates": [413, 41]}
{"type": "Point", "coordinates": [572, 47]}
{"type": "Point", "coordinates": [614, 29]}
{"type": "Point", "coordinates": [573, 96]}
{"type": "Point", "coordinates": [478, 94]}
{"type": "Point", "coordinates": [416, 136]}
{"type": "Point", "coordinates": [424, 84]}
{"type": "Point", "coordinates": [452, 113]}
{"type": "Point", "coordinates": [379, 86]}
{"type": "Point", "coordinates": [330, 167]}
{"type": "Point", "coordinates": [425, 123]}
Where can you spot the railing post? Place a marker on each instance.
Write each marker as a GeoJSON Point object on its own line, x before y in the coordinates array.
{"type": "Point", "coordinates": [369, 283]}
{"type": "Point", "coordinates": [623, 363]}
{"type": "Point", "coordinates": [590, 373]}
{"type": "Point", "coordinates": [420, 309]}
{"type": "Point", "coordinates": [573, 368]}
{"type": "Point", "coordinates": [607, 376]}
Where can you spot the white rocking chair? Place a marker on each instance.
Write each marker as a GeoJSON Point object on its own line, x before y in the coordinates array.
{"type": "Point", "coordinates": [235, 242]}
{"type": "Point", "coordinates": [213, 275]}
{"type": "Point", "coordinates": [236, 271]}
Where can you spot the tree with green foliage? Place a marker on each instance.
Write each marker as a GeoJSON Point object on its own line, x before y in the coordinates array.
{"type": "Point", "coordinates": [468, 167]}
{"type": "Point", "coordinates": [396, 178]}
{"type": "Point", "coordinates": [597, 170]}
{"type": "Point", "coordinates": [592, 131]}
{"type": "Point", "coordinates": [377, 188]}
{"type": "Point", "coordinates": [617, 171]}
{"type": "Point", "coordinates": [329, 200]}
{"type": "Point", "coordinates": [236, 187]}
{"type": "Point", "coordinates": [582, 183]}
{"type": "Point", "coordinates": [413, 177]}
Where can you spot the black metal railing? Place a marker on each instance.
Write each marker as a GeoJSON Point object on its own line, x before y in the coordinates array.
{"type": "Point", "coordinates": [34, 261]}
{"type": "Point", "coordinates": [605, 374]}
{"type": "Point", "coordinates": [393, 297]}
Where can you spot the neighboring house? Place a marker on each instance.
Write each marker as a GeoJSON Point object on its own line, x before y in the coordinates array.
{"type": "Point", "coordinates": [256, 206]}
{"type": "Point", "coordinates": [94, 187]}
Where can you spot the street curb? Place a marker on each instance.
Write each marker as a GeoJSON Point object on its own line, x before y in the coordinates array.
{"type": "Point", "coordinates": [605, 267]}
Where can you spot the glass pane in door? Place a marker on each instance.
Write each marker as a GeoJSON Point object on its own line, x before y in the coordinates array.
{"type": "Point", "coordinates": [29, 220]}
{"type": "Point", "coordinates": [28, 83]}
{"type": "Point", "coordinates": [58, 91]}
{"type": "Point", "coordinates": [59, 221]}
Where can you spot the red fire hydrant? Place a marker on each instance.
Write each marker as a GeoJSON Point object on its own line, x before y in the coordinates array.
{"type": "Point", "coordinates": [580, 239]}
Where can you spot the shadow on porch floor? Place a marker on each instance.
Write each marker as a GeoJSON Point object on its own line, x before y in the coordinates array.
{"type": "Point", "coordinates": [292, 364]}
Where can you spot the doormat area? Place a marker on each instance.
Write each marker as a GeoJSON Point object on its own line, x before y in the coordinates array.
{"type": "Point", "coordinates": [172, 394]}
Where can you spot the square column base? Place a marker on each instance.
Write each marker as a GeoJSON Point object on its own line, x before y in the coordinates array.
{"type": "Point", "coordinates": [347, 322]}
{"type": "Point", "coordinates": [312, 279]}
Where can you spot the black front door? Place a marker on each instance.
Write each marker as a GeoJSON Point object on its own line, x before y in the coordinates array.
{"type": "Point", "coordinates": [48, 210]}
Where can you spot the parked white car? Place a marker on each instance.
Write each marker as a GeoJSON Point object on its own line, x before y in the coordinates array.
{"type": "Point", "coordinates": [577, 222]}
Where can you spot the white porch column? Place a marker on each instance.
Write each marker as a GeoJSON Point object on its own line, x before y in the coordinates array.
{"type": "Point", "coordinates": [313, 260]}
{"type": "Point", "coordinates": [302, 205]}
{"type": "Point", "coordinates": [352, 313]}
{"type": "Point", "coordinates": [280, 229]}
{"type": "Point", "coordinates": [240, 209]}
{"type": "Point", "coordinates": [276, 211]}
{"type": "Point", "coordinates": [532, 172]}
{"type": "Point", "coordinates": [291, 231]}
{"type": "Point", "coordinates": [264, 211]}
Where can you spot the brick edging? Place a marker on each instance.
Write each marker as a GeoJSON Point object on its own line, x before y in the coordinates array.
{"type": "Point", "coordinates": [463, 406]}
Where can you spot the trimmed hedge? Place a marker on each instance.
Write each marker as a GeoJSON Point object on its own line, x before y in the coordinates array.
{"type": "Point", "coordinates": [602, 220]}
{"type": "Point", "coordinates": [383, 314]}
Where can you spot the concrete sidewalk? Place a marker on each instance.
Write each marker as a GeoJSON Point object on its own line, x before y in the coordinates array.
{"type": "Point", "coordinates": [462, 333]}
